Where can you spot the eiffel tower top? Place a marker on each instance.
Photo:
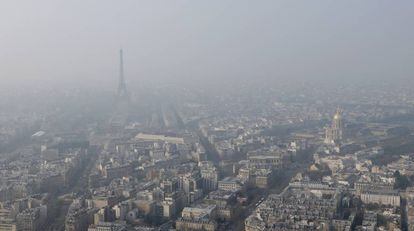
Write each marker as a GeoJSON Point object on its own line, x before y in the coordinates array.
{"type": "Point", "coordinates": [122, 89]}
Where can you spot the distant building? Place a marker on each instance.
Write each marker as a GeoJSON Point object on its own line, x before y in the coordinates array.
{"type": "Point", "coordinates": [105, 214]}
{"type": "Point", "coordinates": [172, 204]}
{"type": "Point", "coordinates": [155, 138]}
{"type": "Point", "coordinates": [79, 220]}
{"type": "Point", "coordinates": [333, 134]}
{"type": "Point", "coordinates": [121, 210]}
{"type": "Point", "coordinates": [30, 220]}
{"type": "Point", "coordinates": [225, 202]}
{"type": "Point", "coordinates": [409, 209]}
{"type": "Point", "coordinates": [108, 226]}
{"type": "Point", "coordinates": [262, 178]}
{"type": "Point", "coordinates": [191, 184]}
{"type": "Point", "coordinates": [192, 224]}
{"type": "Point", "coordinates": [198, 218]}
{"type": "Point", "coordinates": [230, 184]}
{"type": "Point", "coordinates": [112, 172]}
{"type": "Point", "coordinates": [209, 176]}
{"type": "Point", "coordinates": [7, 225]}
{"type": "Point", "coordinates": [391, 198]}
{"type": "Point", "coordinates": [265, 161]}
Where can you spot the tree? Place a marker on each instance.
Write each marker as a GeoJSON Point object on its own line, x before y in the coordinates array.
{"type": "Point", "coordinates": [401, 181]}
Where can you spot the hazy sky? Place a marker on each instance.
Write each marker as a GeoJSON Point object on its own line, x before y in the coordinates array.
{"type": "Point", "coordinates": [73, 40]}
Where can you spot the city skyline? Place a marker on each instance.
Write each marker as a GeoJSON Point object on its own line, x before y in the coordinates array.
{"type": "Point", "coordinates": [221, 115]}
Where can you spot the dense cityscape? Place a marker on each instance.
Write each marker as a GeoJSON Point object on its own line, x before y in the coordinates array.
{"type": "Point", "coordinates": [242, 160]}
{"type": "Point", "coordinates": [206, 115]}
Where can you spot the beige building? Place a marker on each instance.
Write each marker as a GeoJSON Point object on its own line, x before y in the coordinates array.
{"type": "Point", "coordinates": [390, 198]}
{"type": "Point", "coordinates": [184, 224]}
{"type": "Point", "coordinates": [7, 225]}
{"type": "Point", "coordinates": [230, 184]}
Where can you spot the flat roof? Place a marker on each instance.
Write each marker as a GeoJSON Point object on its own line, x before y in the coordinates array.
{"type": "Point", "coordinates": [169, 139]}
{"type": "Point", "coordinates": [38, 134]}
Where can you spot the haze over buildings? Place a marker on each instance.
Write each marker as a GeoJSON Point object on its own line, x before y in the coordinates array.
{"type": "Point", "coordinates": [206, 115]}
{"type": "Point", "coordinates": [179, 41]}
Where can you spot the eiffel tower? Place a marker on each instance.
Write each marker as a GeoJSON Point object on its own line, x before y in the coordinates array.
{"type": "Point", "coordinates": [122, 94]}
{"type": "Point", "coordinates": [121, 108]}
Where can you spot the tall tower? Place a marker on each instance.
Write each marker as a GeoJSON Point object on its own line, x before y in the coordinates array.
{"type": "Point", "coordinates": [122, 90]}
